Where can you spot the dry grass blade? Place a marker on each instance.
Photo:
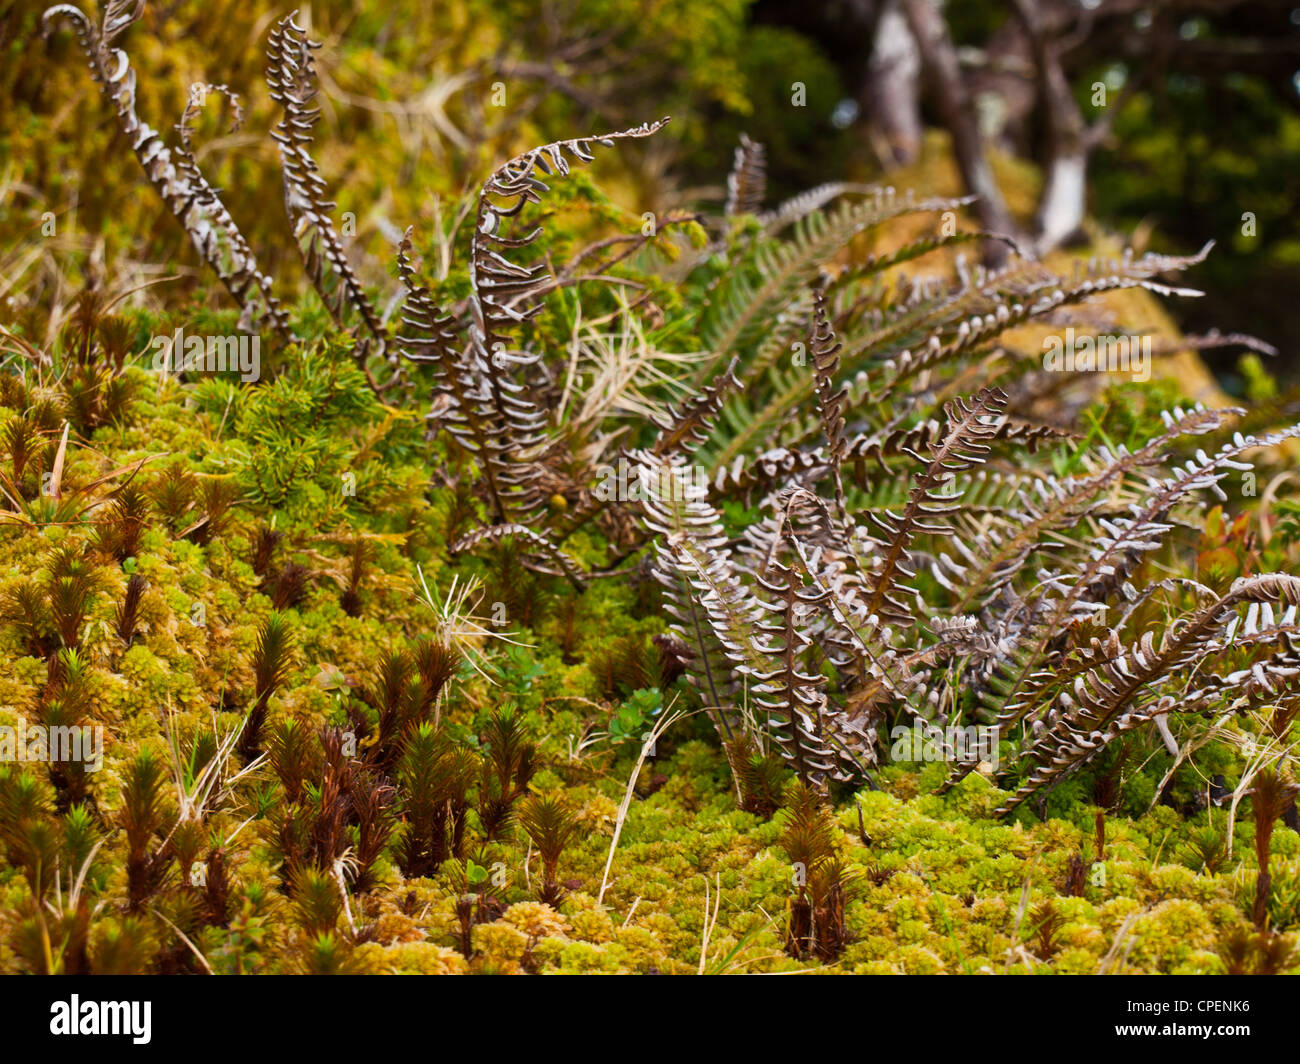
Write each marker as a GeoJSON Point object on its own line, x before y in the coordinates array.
{"type": "Point", "coordinates": [662, 725]}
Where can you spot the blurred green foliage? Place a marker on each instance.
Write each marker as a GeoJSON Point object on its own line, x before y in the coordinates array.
{"type": "Point", "coordinates": [419, 102]}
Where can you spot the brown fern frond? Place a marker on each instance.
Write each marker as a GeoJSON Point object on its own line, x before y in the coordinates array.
{"type": "Point", "coordinates": [747, 182]}
{"type": "Point", "coordinates": [792, 696]}
{"type": "Point", "coordinates": [1105, 700]}
{"type": "Point", "coordinates": [681, 431]}
{"type": "Point", "coordinates": [977, 331]}
{"type": "Point", "coordinates": [187, 194]}
{"type": "Point", "coordinates": [970, 428]}
{"type": "Point", "coordinates": [535, 539]}
{"type": "Point", "coordinates": [825, 352]}
{"type": "Point", "coordinates": [713, 613]}
{"type": "Point", "coordinates": [983, 572]}
{"type": "Point", "coordinates": [1115, 549]}
{"type": "Point", "coordinates": [493, 413]}
{"type": "Point", "coordinates": [291, 76]}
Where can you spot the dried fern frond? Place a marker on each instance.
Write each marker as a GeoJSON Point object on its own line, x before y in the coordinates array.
{"type": "Point", "coordinates": [747, 182]}
{"type": "Point", "coordinates": [790, 692]}
{"type": "Point", "coordinates": [772, 271]}
{"type": "Point", "coordinates": [978, 330]}
{"type": "Point", "coordinates": [460, 402]}
{"type": "Point", "coordinates": [1114, 550]}
{"type": "Point", "coordinates": [291, 77]}
{"type": "Point", "coordinates": [505, 293]}
{"type": "Point", "coordinates": [801, 205]}
{"type": "Point", "coordinates": [712, 611]}
{"type": "Point", "coordinates": [1116, 694]}
{"type": "Point", "coordinates": [986, 568]}
{"type": "Point", "coordinates": [681, 431]}
{"type": "Point", "coordinates": [970, 428]}
{"type": "Point", "coordinates": [182, 187]}
{"type": "Point", "coordinates": [496, 415]}
{"type": "Point", "coordinates": [825, 352]}
{"type": "Point", "coordinates": [535, 539]}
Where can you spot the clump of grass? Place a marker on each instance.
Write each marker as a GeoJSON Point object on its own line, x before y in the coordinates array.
{"type": "Point", "coordinates": [72, 588]}
{"type": "Point", "coordinates": [1247, 952]}
{"type": "Point", "coordinates": [26, 608]}
{"type": "Point", "coordinates": [271, 663]}
{"type": "Point", "coordinates": [264, 548]}
{"type": "Point", "coordinates": [317, 902]}
{"type": "Point", "coordinates": [434, 779]}
{"type": "Point", "coordinates": [173, 492]}
{"type": "Point", "coordinates": [1076, 877]}
{"type": "Point", "coordinates": [822, 879]}
{"type": "Point", "coordinates": [294, 756]}
{"type": "Point", "coordinates": [361, 555]}
{"type": "Point", "coordinates": [1270, 796]}
{"type": "Point", "coordinates": [145, 819]}
{"type": "Point", "coordinates": [1206, 849]}
{"type": "Point", "coordinates": [550, 826]}
{"type": "Point", "coordinates": [372, 799]}
{"type": "Point", "coordinates": [65, 703]}
{"type": "Point", "coordinates": [338, 816]}
{"type": "Point", "coordinates": [760, 777]}
{"type": "Point", "coordinates": [218, 497]}
{"type": "Point", "coordinates": [30, 842]}
{"type": "Point", "coordinates": [288, 589]}
{"type": "Point", "coordinates": [124, 523]}
{"type": "Point", "coordinates": [128, 610]}
{"type": "Point", "coordinates": [405, 693]}
{"type": "Point", "coordinates": [506, 770]}
{"type": "Point", "coordinates": [216, 889]}
{"type": "Point", "coordinates": [50, 611]}
{"type": "Point", "coordinates": [1045, 924]}
{"type": "Point", "coordinates": [23, 444]}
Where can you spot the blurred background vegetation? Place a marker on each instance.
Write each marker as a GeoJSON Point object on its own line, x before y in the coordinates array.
{"type": "Point", "coordinates": [1197, 139]}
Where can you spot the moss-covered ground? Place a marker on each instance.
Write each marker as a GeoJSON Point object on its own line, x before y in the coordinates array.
{"type": "Point", "coordinates": [694, 883]}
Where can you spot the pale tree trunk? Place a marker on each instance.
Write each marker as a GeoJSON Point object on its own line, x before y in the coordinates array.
{"type": "Point", "coordinates": [956, 110]}
{"type": "Point", "coordinates": [892, 93]}
{"type": "Point", "coordinates": [1061, 208]}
